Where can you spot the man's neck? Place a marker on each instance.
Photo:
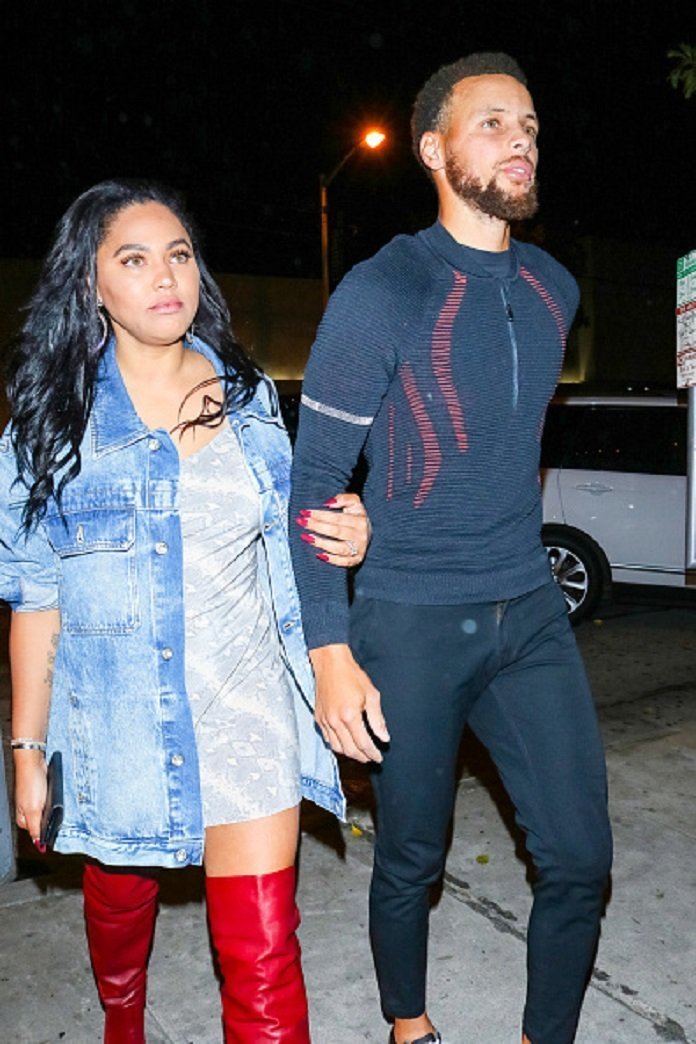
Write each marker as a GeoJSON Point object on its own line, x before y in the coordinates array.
{"type": "Point", "coordinates": [473, 228]}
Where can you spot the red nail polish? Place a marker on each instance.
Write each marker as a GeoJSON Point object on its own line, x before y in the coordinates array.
{"type": "Point", "coordinates": [322, 556]}
{"type": "Point", "coordinates": [41, 848]}
{"type": "Point", "coordinates": [302, 521]}
{"type": "Point", "coordinates": [330, 503]}
{"type": "Point", "coordinates": [303, 513]}
{"type": "Point", "coordinates": [308, 537]}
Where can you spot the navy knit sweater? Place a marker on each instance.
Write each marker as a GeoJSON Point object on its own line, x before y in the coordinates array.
{"type": "Point", "coordinates": [438, 362]}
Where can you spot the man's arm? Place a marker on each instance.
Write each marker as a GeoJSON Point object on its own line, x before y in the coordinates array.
{"type": "Point", "coordinates": [349, 371]}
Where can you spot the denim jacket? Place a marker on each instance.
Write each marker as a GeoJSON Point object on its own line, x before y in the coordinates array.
{"type": "Point", "coordinates": [113, 565]}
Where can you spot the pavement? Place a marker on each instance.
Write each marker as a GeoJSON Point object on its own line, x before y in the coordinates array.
{"type": "Point", "coordinates": [643, 989]}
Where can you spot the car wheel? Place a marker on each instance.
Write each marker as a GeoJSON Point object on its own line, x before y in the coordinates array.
{"type": "Point", "coordinates": [577, 564]}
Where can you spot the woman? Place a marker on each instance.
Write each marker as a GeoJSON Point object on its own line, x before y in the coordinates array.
{"type": "Point", "coordinates": [156, 639]}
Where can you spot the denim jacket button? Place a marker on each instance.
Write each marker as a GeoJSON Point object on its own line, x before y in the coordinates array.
{"type": "Point", "coordinates": [161, 547]}
{"type": "Point", "coordinates": [154, 445]}
{"type": "Point", "coordinates": [177, 760]}
{"type": "Point", "coordinates": [180, 855]}
{"type": "Point", "coordinates": [267, 526]}
{"type": "Point", "coordinates": [288, 625]}
{"type": "Point", "coordinates": [167, 653]}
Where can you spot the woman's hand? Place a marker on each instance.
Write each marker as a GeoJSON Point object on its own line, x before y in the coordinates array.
{"type": "Point", "coordinates": [30, 791]}
{"type": "Point", "coordinates": [341, 533]}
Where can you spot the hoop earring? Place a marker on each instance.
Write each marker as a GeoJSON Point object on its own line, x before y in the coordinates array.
{"type": "Point", "coordinates": [104, 325]}
{"type": "Point", "coordinates": [188, 336]}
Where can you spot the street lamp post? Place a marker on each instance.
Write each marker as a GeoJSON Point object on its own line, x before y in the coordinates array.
{"type": "Point", "coordinates": [372, 139]}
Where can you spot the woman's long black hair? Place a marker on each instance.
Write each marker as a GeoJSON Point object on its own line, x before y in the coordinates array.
{"type": "Point", "coordinates": [54, 360]}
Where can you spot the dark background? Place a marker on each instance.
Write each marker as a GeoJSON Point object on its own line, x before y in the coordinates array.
{"type": "Point", "coordinates": [242, 104]}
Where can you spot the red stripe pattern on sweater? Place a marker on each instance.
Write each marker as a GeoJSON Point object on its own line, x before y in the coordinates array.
{"type": "Point", "coordinates": [432, 454]}
{"type": "Point", "coordinates": [548, 300]}
{"type": "Point", "coordinates": [441, 355]}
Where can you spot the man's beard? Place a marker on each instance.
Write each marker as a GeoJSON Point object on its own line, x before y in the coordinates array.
{"type": "Point", "coordinates": [490, 199]}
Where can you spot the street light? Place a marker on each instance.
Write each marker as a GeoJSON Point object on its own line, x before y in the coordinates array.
{"type": "Point", "coordinates": [371, 139]}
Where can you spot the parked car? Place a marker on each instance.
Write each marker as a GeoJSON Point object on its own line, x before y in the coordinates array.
{"type": "Point", "coordinates": [614, 495]}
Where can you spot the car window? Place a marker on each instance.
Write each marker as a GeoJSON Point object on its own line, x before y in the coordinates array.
{"type": "Point", "coordinates": [560, 429]}
{"type": "Point", "coordinates": [649, 440]}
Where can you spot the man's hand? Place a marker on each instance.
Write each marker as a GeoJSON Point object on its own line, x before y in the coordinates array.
{"type": "Point", "coordinates": [346, 703]}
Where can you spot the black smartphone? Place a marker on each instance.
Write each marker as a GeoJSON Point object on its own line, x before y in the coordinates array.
{"type": "Point", "coordinates": [52, 815]}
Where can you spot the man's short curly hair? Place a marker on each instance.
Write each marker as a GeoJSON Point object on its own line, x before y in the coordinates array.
{"type": "Point", "coordinates": [431, 106]}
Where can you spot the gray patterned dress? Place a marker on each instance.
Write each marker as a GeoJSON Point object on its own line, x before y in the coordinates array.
{"type": "Point", "coordinates": [237, 683]}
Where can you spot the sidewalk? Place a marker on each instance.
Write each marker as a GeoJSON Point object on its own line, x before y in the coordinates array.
{"type": "Point", "coordinates": [642, 990]}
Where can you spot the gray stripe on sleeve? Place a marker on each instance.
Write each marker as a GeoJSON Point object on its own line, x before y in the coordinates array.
{"type": "Point", "coordinates": [330, 411]}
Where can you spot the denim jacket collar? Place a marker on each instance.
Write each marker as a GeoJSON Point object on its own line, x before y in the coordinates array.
{"type": "Point", "coordinates": [114, 421]}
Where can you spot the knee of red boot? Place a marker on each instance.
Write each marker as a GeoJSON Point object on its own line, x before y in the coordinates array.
{"type": "Point", "coordinates": [258, 910]}
{"type": "Point", "coordinates": [118, 889]}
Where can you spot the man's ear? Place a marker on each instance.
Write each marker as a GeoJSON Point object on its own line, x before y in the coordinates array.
{"type": "Point", "coordinates": [431, 150]}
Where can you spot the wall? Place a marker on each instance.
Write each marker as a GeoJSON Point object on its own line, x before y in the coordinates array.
{"type": "Point", "coordinates": [626, 328]}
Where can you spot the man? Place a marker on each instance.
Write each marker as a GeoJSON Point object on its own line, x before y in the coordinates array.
{"type": "Point", "coordinates": [437, 358]}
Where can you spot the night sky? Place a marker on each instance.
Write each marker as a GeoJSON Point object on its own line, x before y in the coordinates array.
{"type": "Point", "coordinates": [242, 104]}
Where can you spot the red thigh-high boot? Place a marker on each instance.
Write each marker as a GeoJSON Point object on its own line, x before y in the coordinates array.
{"type": "Point", "coordinates": [120, 910]}
{"type": "Point", "coordinates": [253, 921]}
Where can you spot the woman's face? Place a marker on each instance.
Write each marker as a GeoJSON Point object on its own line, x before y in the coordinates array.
{"type": "Point", "coordinates": [147, 276]}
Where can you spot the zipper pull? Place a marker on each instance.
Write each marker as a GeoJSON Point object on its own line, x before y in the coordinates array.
{"type": "Point", "coordinates": [508, 311]}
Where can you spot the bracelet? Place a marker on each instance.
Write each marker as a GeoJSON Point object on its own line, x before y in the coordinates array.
{"type": "Point", "coordinates": [27, 744]}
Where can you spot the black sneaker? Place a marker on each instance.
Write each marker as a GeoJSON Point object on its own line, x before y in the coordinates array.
{"type": "Point", "coordinates": [429, 1038]}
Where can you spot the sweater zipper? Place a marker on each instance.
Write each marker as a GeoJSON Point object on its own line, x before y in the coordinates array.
{"type": "Point", "coordinates": [513, 346]}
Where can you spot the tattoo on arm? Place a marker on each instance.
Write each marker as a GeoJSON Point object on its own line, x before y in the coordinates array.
{"type": "Point", "coordinates": [51, 659]}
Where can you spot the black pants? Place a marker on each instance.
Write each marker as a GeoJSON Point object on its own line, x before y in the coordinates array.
{"type": "Point", "coordinates": [512, 671]}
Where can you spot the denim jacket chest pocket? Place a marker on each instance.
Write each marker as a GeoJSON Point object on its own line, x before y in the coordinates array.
{"type": "Point", "coordinates": [96, 552]}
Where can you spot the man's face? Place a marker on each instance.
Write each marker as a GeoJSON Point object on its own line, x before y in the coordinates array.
{"type": "Point", "coordinates": [490, 146]}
